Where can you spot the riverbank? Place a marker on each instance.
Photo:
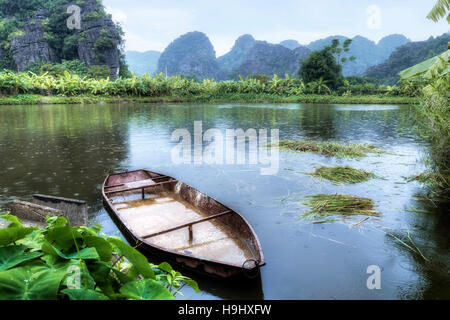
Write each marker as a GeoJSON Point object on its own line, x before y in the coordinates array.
{"type": "Point", "coordinates": [28, 99]}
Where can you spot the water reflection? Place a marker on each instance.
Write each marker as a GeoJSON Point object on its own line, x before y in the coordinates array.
{"type": "Point", "coordinates": [68, 150]}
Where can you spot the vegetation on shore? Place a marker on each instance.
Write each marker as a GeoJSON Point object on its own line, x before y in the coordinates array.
{"type": "Point", "coordinates": [341, 174]}
{"type": "Point", "coordinates": [64, 262]}
{"type": "Point", "coordinates": [72, 88]}
{"type": "Point", "coordinates": [339, 204]}
{"type": "Point", "coordinates": [37, 99]}
{"type": "Point", "coordinates": [434, 110]}
{"type": "Point", "coordinates": [331, 149]}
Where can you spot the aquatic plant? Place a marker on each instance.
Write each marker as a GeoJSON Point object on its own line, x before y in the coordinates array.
{"type": "Point", "coordinates": [338, 204]}
{"type": "Point", "coordinates": [64, 262]}
{"type": "Point", "coordinates": [332, 149]}
{"type": "Point", "coordinates": [341, 174]}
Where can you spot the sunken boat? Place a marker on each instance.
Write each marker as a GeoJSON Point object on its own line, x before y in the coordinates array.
{"type": "Point", "coordinates": [168, 218]}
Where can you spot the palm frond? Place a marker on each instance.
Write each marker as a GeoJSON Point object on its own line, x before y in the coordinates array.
{"type": "Point", "coordinates": [439, 11]}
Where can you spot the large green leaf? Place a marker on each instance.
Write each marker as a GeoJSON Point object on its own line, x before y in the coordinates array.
{"type": "Point", "coordinates": [103, 247]}
{"type": "Point", "coordinates": [56, 222]}
{"type": "Point", "coordinates": [13, 234]}
{"type": "Point", "coordinates": [84, 294]}
{"type": "Point", "coordinates": [146, 289]}
{"type": "Point", "coordinates": [84, 254]}
{"type": "Point", "coordinates": [11, 256]}
{"type": "Point", "coordinates": [138, 260]}
{"type": "Point", "coordinates": [29, 283]}
{"type": "Point", "coordinates": [33, 241]}
{"type": "Point", "coordinates": [63, 237]}
{"type": "Point", "coordinates": [423, 67]}
{"type": "Point", "coordinates": [14, 221]}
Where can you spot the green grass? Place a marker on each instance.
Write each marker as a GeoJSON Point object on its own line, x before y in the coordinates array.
{"type": "Point", "coordinates": [22, 99]}
{"type": "Point", "coordinates": [331, 149]}
{"type": "Point", "coordinates": [432, 179]}
{"type": "Point", "coordinates": [339, 204]}
{"type": "Point", "coordinates": [341, 174]}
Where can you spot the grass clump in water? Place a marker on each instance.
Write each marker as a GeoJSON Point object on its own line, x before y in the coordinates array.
{"type": "Point", "coordinates": [345, 174]}
{"type": "Point", "coordinates": [339, 204]}
{"type": "Point", "coordinates": [431, 179]}
{"type": "Point", "coordinates": [331, 149]}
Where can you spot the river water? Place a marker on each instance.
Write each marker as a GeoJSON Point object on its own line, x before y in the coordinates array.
{"type": "Point", "coordinates": [68, 150]}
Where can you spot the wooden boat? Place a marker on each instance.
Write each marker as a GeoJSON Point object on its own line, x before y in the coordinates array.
{"type": "Point", "coordinates": [171, 219]}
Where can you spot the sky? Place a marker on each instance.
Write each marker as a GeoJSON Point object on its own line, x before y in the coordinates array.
{"type": "Point", "coordinates": [154, 24]}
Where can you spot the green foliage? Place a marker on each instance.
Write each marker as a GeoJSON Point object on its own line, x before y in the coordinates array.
{"type": "Point", "coordinates": [64, 42]}
{"type": "Point", "coordinates": [337, 50]}
{"type": "Point", "coordinates": [434, 113]}
{"type": "Point", "coordinates": [73, 78]}
{"type": "Point", "coordinates": [44, 263]}
{"type": "Point", "coordinates": [439, 11]}
{"type": "Point", "coordinates": [98, 72]}
{"type": "Point", "coordinates": [321, 65]}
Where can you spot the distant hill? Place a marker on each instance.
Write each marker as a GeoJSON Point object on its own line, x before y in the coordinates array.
{"type": "Point", "coordinates": [269, 59]}
{"type": "Point", "coordinates": [290, 44]}
{"type": "Point", "coordinates": [191, 55]}
{"type": "Point", "coordinates": [142, 62]}
{"type": "Point", "coordinates": [230, 62]}
{"type": "Point", "coordinates": [406, 56]}
{"type": "Point", "coordinates": [249, 56]}
{"type": "Point", "coordinates": [366, 51]}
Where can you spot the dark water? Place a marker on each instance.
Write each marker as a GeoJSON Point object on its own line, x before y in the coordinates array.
{"type": "Point", "coordinates": [68, 150]}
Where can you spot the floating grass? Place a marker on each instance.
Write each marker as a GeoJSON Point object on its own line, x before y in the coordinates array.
{"type": "Point", "coordinates": [341, 174]}
{"type": "Point", "coordinates": [339, 204]}
{"type": "Point", "coordinates": [331, 149]}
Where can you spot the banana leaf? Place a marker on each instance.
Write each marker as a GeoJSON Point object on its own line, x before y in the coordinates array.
{"type": "Point", "coordinates": [423, 67]}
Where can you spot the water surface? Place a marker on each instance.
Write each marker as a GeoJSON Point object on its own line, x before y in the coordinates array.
{"type": "Point", "coordinates": [68, 150]}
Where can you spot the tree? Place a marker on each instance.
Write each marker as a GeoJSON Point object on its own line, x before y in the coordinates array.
{"type": "Point", "coordinates": [440, 10]}
{"type": "Point", "coordinates": [338, 50]}
{"type": "Point", "coordinates": [321, 64]}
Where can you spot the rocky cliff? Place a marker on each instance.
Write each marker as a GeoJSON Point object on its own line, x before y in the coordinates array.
{"type": "Point", "coordinates": [45, 38]}
{"type": "Point", "coordinates": [191, 55]}
{"type": "Point", "coordinates": [31, 46]}
{"type": "Point", "coordinates": [99, 39]}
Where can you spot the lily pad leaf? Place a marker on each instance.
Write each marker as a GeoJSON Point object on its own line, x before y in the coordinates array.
{"type": "Point", "coordinates": [146, 289]}
{"type": "Point", "coordinates": [84, 294]}
{"type": "Point", "coordinates": [11, 256]}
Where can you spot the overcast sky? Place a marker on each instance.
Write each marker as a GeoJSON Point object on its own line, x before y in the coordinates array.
{"type": "Point", "coordinates": [153, 24]}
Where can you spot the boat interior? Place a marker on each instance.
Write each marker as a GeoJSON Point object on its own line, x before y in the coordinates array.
{"type": "Point", "coordinates": [169, 214]}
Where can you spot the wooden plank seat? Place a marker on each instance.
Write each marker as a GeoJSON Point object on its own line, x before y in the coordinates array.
{"type": "Point", "coordinates": [188, 225]}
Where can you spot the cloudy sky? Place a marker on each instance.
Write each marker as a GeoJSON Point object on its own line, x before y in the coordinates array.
{"type": "Point", "coordinates": [153, 24]}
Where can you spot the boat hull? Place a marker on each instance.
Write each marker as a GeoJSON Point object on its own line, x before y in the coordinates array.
{"type": "Point", "coordinates": [209, 267]}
